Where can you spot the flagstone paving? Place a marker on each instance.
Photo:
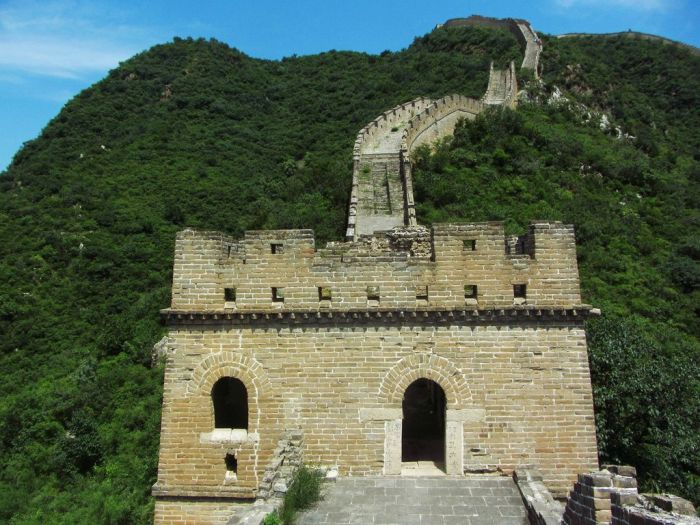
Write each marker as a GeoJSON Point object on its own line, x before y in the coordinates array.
{"type": "Point", "coordinates": [473, 500]}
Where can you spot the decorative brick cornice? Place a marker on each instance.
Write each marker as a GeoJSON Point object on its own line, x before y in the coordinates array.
{"type": "Point", "coordinates": [387, 315]}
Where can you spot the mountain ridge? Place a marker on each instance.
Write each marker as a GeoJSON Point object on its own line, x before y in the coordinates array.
{"type": "Point", "coordinates": [197, 134]}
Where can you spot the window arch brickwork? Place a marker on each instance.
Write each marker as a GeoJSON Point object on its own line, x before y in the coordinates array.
{"type": "Point", "coordinates": [229, 364]}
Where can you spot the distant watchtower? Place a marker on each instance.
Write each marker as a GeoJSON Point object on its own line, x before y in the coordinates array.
{"type": "Point", "coordinates": [456, 346]}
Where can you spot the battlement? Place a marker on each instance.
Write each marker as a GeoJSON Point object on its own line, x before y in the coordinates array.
{"type": "Point", "coordinates": [448, 266]}
{"type": "Point", "coordinates": [396, 117]}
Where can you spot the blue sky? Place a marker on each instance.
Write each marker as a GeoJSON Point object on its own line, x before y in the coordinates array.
{"type": "Point", "coordinates": [50, 50]}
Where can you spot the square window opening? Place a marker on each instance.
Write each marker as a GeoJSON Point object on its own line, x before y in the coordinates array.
{"type": "Point", "coordinates": [230, 295]}
{"type": "Point", "coordinates": [470, 291]}
{"type": "Point", "coordinates": [373, 293]}
{"type": "Point", "coordinates": [277, 295]}
{"type": "Point", "coordinates": [324, 293]}
{"type": "Point", "coordinates": [231, 463]}
{"type": "Point", "coordinates": [277, 248]}
{"type": "Point", "coordinates": [520, 291]}
{"type": "Point", "coordinates": [469, 245]}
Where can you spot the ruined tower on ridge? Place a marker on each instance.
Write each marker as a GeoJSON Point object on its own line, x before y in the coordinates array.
{"type": "Point", "coordinates": [455, 346]}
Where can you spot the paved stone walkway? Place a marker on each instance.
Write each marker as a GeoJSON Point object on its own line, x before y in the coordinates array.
{"type": "Point", "coordinates": [474, 500]}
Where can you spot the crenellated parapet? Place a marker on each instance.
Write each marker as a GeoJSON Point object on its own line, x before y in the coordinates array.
{"type": "Point", "coordinates": [396, 117]}
{"type": "Point", "coordinates": [451, 266]}
{"type": "Point", "coordinates": [439, 120]}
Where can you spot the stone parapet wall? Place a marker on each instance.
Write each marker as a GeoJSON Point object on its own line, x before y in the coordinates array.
{"type": "Point", "coordinates": [438, 120]}
{"type": "Point", "coordinates": [542, 508]}
{"type": "Point", "coordinates": [387, 120]}
{"type": "Point", "coordinates": [403, 269]}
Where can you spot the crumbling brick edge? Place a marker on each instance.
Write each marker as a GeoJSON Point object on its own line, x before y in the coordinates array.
{"type": "Point", "coordinates": [542, 508]}
{"type": "Point", "coordinates": [286, 460]}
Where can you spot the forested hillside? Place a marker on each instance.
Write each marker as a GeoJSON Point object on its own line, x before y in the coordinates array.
{"type": "Point", "coordinates": [194, 133]}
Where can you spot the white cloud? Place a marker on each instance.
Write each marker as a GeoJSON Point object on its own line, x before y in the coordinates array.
{"type": "Point", "coordinates": [63, 38]}
{"type": "Point", "coordinates": [642, 5]}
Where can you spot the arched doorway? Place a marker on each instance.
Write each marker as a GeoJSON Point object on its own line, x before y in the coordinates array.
{"type": "Point", "coordinates": [423, 428]}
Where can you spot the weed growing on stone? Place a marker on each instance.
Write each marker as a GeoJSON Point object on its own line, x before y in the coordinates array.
{"type": "Point", "coordinates": [304, 491]}
{"type": "Point", "coordinates": [272, 519]}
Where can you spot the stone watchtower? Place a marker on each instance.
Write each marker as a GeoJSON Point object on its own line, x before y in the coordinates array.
{"type": "Point", "coordinates": [455, 347]}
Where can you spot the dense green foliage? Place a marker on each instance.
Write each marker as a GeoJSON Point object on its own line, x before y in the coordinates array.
{"type": "Point", "coordinates": [638, 231]}
{"type": "Point", "coordinates": [648, 87]}
{"type": "Point", "coordinates": [196, 134]}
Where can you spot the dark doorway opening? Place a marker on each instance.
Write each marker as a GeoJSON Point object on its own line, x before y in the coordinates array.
{"type": "Point", "coordinates": [423, 429]}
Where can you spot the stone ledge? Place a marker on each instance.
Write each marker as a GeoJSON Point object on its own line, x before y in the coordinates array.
{"type": "Point", "coordinates": [242, 494]}
{"type": "Point", "coordinates": [521, 313]}
{"type": "Point", "coordinates": [542, 508]}
{"type": "Point", "coordinates": [380, 414]}
{"type": "Point", "coordinates": [233, 436]}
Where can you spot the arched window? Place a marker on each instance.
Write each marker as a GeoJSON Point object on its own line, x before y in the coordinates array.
{"type": "Point", "coordinates": [230, 399]}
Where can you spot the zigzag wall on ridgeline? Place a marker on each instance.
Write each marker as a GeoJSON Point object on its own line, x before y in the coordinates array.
{"type": "Point", "coordinates": [382, 189]}
{"type": "Point", "coordinates": [529, 42]}
{"type": "Point", "coordinates": [382, 186]}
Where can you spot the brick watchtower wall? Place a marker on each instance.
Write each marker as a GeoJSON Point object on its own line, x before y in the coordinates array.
{"type": "Point", "coordinates": [269, 334]}
{"type": "Point", "coordinates": [328, 340]}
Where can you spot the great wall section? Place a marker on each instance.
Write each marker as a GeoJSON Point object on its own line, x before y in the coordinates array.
{"type": "Point", "coordinates": [279, 352]}
{"type": "Point", "coordinates": [382, 186]}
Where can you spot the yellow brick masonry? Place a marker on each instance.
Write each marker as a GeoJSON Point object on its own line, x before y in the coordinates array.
{"type": "Point", "coordinates": [208, 262]}
{"type": "Point", "coordinates": [520, 376]}
{"type": "Point", "coordinates": [179, 512]}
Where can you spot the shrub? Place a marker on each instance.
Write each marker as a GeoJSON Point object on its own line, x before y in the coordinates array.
{"type": "Point", "coordinates": [304, 491]}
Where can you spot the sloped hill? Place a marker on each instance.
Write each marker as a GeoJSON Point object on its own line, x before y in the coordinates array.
{"type": "Point", "coordinates": [194, 133]}
{"type": "Point", "coordinates": [189, 133]}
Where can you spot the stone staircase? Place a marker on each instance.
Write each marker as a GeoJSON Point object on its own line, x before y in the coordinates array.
{"type": "Point", "coordinates": [380, 192]}
{"type": "Point", "coordinates": [502, 87]}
